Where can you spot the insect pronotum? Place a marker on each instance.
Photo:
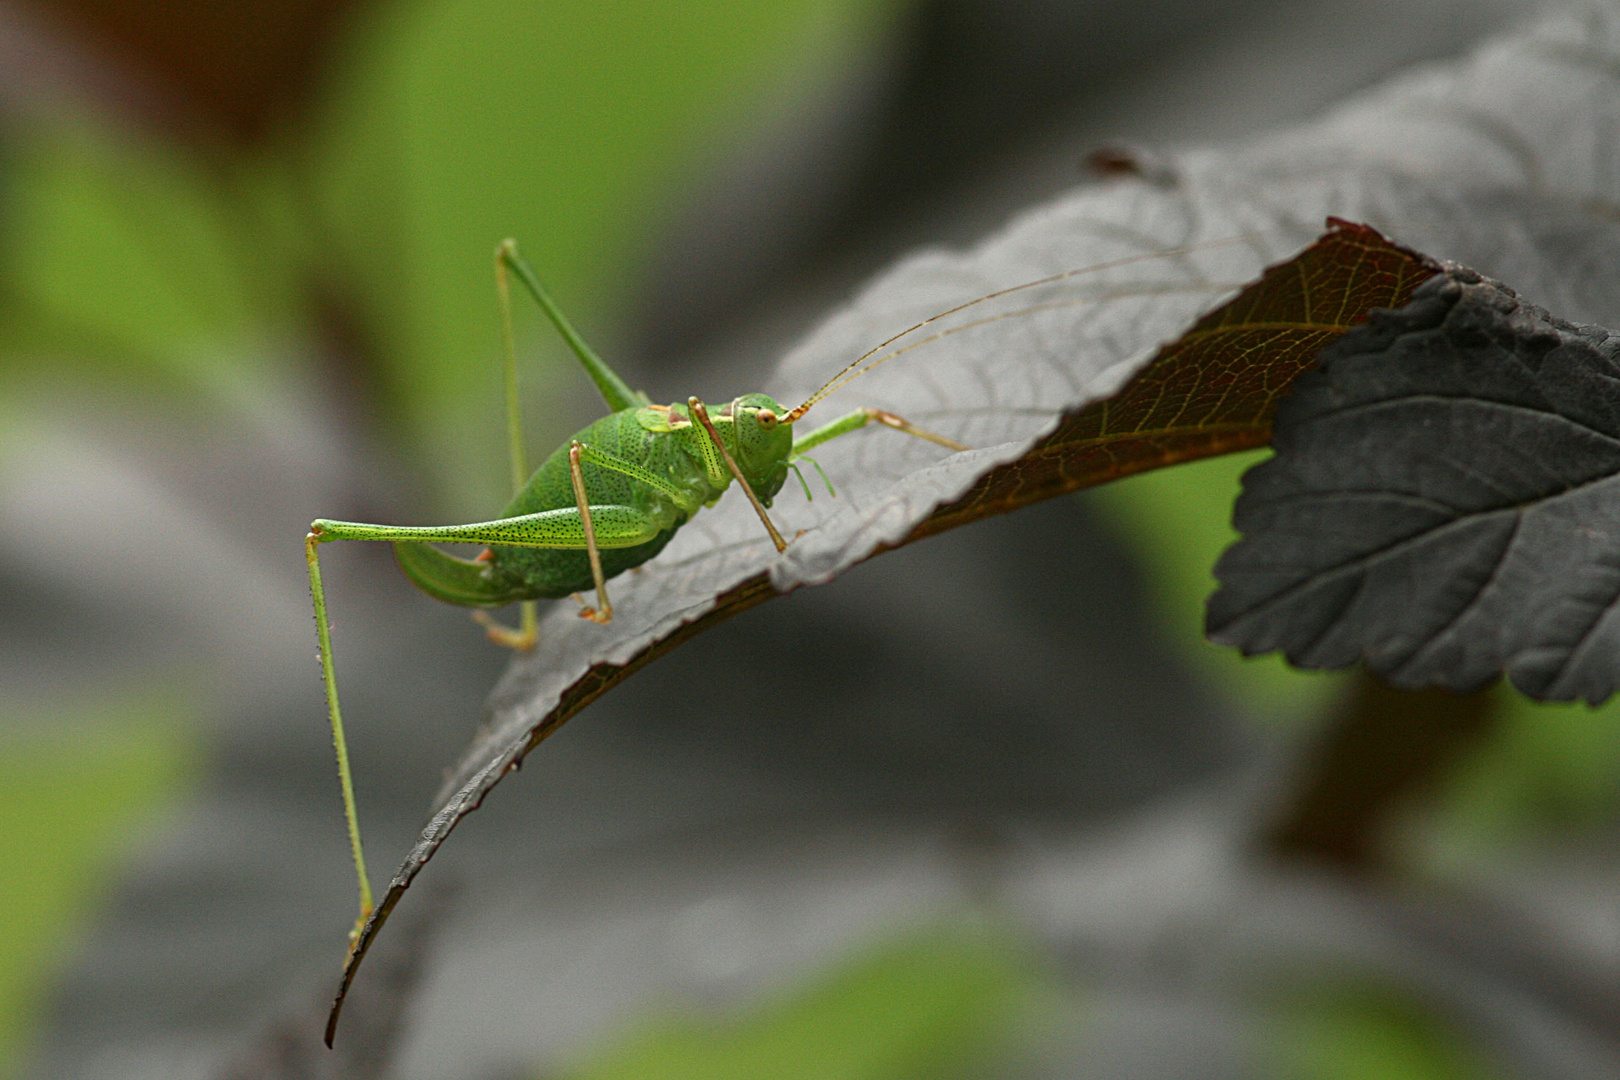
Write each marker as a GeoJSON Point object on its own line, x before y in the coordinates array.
{"type": "Point", "coordinates": [612, 497]}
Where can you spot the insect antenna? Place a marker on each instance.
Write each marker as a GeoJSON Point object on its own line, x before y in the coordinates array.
{"type": "Point", "coordinates": [1114, 294]}
{"type": "Point", "coordinates": [859, 365]}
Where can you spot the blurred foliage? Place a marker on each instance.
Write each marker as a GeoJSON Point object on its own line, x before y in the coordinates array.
{"type": "Point", "coordinates": [925, 1005]}
{"type": "Point", "coordinates": [1545, 767]}
{"type": "Point", "coordinates": [446, 127]}
{"type": "Point", "coordinates": [1349, 1031]}
{"type": "Point", "coordinates": [570, 126]}
{"type": "Point", "coordinates": [229, 70]}
{"type": "Point", "coordinates": [1178, 521]}
{"type": "Point", "coordinates": [146, 265]}
{"type": "Point", "coordinates": [75, 785]}
{"type": "Point", "coordinates": [129, 259]}
{"type": "Point", "coordinates": [167, 268]}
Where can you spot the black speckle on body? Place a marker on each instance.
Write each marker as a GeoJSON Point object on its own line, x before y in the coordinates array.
{"type": "Point", "coordinates": [542, 573]}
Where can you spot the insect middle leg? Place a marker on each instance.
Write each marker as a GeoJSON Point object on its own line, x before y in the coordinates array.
{"type": "Point", "coordinates": [603, 612]}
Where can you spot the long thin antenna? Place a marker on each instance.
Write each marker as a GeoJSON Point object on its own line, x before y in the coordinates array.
{"type": "Point", "coordinates": [1113, 294]}
{"type": "Point", "coordinates": [849, 372]}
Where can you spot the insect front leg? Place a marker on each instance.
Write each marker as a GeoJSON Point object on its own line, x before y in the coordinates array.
{"type": "Point", "coordinates": [859, 418]}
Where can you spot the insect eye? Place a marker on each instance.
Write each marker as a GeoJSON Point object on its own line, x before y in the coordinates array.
{"type": "Point", "coordinates": [767, 418]}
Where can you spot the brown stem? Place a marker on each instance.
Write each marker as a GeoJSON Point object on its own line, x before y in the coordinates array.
{"type": "Point", "coordinates": [1385, 748]}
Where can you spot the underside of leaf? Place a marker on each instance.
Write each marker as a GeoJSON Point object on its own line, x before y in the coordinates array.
{"type": "Point", "coordinates": [1212, 390]}
{"type": "Point", "coordinates": [1215, 388]}
{"type": "Point", "coordinates": [1444, 503]}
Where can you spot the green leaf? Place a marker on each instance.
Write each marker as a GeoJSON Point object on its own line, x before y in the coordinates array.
{"type": "Point", "coordinates": [73, 785]}
{"type": "Point", "coordinates": [1440, 160]}
{"type": "Point", "coordinates": [1354, 1032]}
{"type": "Point", "coordinates": [916, 1008]}
{"type": "Point", "coordinates": [1054, 406]}
{"type": "Point", "coordinates": [129, 250]}
{"type": "Point", "coordinates": [1177, 522]}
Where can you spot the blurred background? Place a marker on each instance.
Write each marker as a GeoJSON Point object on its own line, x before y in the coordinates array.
{"type": "Point", "coordinates": [1020, 821]}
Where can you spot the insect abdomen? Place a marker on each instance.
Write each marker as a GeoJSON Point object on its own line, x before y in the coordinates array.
{"type": "Point", "coordinates": [543, 573]}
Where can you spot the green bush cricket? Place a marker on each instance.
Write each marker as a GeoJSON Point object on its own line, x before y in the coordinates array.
{"type": "Point", "coordinates": [605, 502]}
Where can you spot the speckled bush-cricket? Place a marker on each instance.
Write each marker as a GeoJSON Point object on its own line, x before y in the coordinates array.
{"type": "Point", "coordinates": [606, 501]}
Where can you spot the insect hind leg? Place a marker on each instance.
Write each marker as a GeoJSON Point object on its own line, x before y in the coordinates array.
{"type": "Point", "coordinates": [521, 638]}
{"type": "Point", "coordinates": [323, 634]}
